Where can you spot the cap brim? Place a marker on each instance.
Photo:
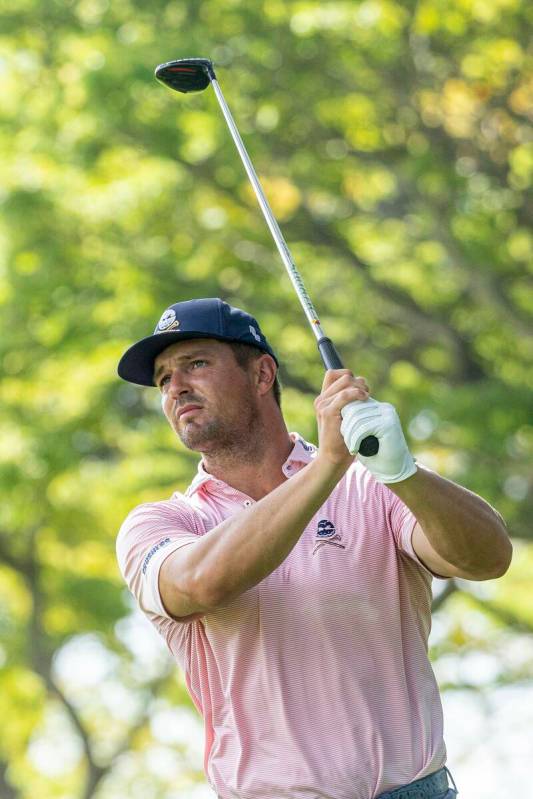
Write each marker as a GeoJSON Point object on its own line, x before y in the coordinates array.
{"type": "Point", "coordinates": [137, 363]}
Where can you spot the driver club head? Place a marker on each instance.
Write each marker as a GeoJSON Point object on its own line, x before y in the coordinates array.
{"type": "Point", "coordinates": [186, 74]}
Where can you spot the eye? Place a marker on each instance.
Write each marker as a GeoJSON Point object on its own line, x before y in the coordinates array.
{"type": "Point", "coordinates": [163, 381]}
{"type": "Point", "coordinates": [197, 361]}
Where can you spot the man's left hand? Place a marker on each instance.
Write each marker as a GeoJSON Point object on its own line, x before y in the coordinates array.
{"type": "Point", "coordinates": [393, 462]}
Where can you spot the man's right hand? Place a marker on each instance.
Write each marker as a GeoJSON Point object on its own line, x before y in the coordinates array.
{"type": "Point", "coordinates": [338, 389]}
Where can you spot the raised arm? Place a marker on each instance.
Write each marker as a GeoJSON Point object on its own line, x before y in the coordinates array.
{"type": "Point", "coordinates": [458, 534]}
{"type": "Point", "coordinates": [241, 551]}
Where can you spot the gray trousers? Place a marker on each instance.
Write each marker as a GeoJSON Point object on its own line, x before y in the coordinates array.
{"type": "Point", "coordinates": [434, 786]}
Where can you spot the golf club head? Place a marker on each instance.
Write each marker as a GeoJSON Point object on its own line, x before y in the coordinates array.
{"type": "Point", "coordinates": [186, 74]}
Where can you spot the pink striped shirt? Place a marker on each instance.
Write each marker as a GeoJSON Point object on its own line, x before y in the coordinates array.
{"type": "Point", "coordinates": [315, 683]}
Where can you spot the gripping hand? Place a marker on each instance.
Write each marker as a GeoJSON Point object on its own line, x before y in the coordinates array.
{"type": "Point", "coordinates": [393, 462]}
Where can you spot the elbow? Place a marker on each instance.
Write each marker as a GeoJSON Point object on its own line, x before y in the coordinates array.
{"type": "Point", "coordinates": [506, 554]}
{"type": "Point", "coordinates": [501, 564]}
{"type": "Point", "coordinates": [504, 549]}
{"type": "Point", "coordinates": [506, 559]}
{"type": "Point", "coordinates": [207, 591]}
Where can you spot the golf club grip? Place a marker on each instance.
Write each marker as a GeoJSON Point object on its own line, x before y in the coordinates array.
{"type": "Point", "coordinates": [330, 356]}
{"type": "Point", "coordinates": [331, 359]}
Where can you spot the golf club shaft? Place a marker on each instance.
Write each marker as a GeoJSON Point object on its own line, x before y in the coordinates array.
{"type": "Point", "coordinates": [330, 356]}
{"type": "Point", "coordinates": [328, 352]}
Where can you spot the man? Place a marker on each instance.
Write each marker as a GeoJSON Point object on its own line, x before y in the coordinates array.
{"type": "Point", "coordinates": [293, 584]}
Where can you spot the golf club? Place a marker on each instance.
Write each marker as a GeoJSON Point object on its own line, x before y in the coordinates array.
{"type": "Point", "coordinates": [194, 75]}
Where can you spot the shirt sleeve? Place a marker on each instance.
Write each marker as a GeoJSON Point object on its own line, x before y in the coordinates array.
{"type": "Point", "coordinates": [402, 523]}
{"type": "Point", "coordinates": [149, 534]}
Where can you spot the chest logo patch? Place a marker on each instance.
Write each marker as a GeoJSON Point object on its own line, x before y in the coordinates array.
{"type": "Point", "coordinates": [327, 534]}
{"type": "Point", "coordinates": [326, 529]}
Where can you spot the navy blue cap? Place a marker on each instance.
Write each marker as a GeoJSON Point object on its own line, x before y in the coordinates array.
{"type": "Point", "coordinates": [207, 318]}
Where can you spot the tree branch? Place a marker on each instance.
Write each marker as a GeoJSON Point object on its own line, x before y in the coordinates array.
{"type": "Point", "coordinates": [41, 659]}
{"type": "Point", "coordinates": [450, 588]}
{"type": "Point", "coordinates": [15, 563]}
{"type": "Point", "coordinates": [7, 791]}
{"type": "Point", "coordinates": [97, 773]}
{"type": "Point", "coordinates": [502, 614]}
{"type": "Point", "coordinates": [433, 327]}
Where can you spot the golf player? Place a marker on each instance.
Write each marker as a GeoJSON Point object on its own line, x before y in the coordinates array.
{"type": "Point", "coordinates": [292, 583]}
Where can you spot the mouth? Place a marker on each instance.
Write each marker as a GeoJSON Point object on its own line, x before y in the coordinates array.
{"type": "Point", "coordinates": [188, 410]}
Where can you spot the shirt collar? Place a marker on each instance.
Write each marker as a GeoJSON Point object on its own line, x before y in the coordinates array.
{"type": "Point", "coordinates": [300, 455]}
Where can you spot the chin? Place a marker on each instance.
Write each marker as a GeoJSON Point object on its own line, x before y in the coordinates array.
{"type": "Point", "coordinates": [194, 437]}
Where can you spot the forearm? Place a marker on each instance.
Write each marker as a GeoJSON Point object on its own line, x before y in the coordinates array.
{"type": "Point", "coordinates": [461, 526]}
{"type": "Point", "coordinates": [244, 549]}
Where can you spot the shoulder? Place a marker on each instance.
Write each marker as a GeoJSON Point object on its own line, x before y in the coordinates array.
{"type": "Point", "coordinates": [151, 518]}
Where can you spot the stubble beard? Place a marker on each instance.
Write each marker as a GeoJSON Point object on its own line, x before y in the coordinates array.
{"type": "Point", "coordinates": [239, 439]}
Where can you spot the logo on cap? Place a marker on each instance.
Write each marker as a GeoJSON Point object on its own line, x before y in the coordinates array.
{"type": "Point", "coordinates": [254, 333]}
{"type": "Point", "coordinates": [168, 321]}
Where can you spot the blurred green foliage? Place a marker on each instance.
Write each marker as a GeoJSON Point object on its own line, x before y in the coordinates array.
{"type": "Point", "coordinates": [394, 143]}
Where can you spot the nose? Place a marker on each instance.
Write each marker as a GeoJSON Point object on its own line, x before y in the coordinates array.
{"type": "Point", "coordinates": [178, 384]}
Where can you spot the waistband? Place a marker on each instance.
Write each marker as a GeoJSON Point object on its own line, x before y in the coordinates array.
{"type": "Point", "coordinates": [425, 788]}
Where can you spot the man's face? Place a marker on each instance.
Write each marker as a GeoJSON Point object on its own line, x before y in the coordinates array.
{"type": "Point", "coordinates": [206, 396]}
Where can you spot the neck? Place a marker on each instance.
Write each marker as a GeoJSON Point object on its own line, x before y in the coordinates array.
{"type": "Point", "coordinates": [256, 469]}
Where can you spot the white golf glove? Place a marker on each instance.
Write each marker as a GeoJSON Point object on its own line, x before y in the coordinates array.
{"type": "Point", "coordinates": [365, 418]}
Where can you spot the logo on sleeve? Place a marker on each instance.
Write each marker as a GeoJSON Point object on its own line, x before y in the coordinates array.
{"type": "Point", "coordinates": [152, 552]}
{"type": "Point", "coordinates": [327, 534]}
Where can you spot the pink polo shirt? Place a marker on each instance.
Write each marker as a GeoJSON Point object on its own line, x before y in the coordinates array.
{"type": "Point", "coordinates": [315, 683]}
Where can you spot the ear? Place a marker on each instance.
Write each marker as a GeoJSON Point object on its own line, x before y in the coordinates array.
{"type": "Point", "coordinates": [265, 373]}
